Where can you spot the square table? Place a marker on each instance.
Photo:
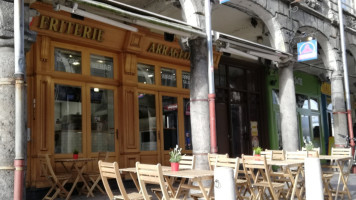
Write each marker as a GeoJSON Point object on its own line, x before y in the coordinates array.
{"type": "Point", "coordinates": [79, 166]}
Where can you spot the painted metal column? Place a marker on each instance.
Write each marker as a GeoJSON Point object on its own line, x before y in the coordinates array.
{"type": "Point", "coordinates": [346, 76]}
{"type": "Point", "coordinates": [211, 96]}
{"type": "Point", "coordinates": [20, 136]}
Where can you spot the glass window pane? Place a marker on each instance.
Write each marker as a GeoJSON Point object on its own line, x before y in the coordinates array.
{"type": "Point", "coordinates": [316, 131]}
{"type": "Point", "coordinates": [68, 118]}
{"type": "Point", "coordinates": [185, 79]}
{"type": "Point", "coordinates": [101, 66]}
{"type": "Point", "coordinates": [147, 121]}
{"type": "Point", "coordinates": [170, 122]}
{"type": "Point", "coordinates": [314, 105]}
{"type": "Point", "coordinates": [305, 128]}
{"type": "Point", "coordinates": [252, 78]}
{"type": "Point", "coordinates": [302, 101]}
{"type": "Point", "coordinates": [187, 128]}
{"type": "Point", "coordinates": [145, 73]}
{"type": "Point", "coordinates": [220, 76]}
{"type": "Point", "coordinates": [237, 78]}
{"type": "Point", "coordinates": [102, 120]}
{"type": "Point", "coordinates": [168, 77]}
{"type": "Point", "coordinates": [67, 61]}
{"type": "Point", "coordinates": [275, 97]}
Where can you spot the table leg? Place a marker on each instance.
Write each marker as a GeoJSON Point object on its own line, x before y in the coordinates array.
{"type": "Point", "coordinates": [202, 189]}
{"type": "Point", "coordinates": [295, 183]}
{"type": "Point", "coordinates": [134, 179]}
{"type": "Point", "coordinates": [80, 174]}
{"type": "Point", "coordinates": [342, 177]}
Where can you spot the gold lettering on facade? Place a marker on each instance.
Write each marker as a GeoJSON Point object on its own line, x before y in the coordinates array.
{"type": "Point", "coordinates": [53, 25]}
{"type": "Point", "coordinates": [152, 48]}
{"type": "Point", "coordinates": [70, 28]}
{"type": "Point", "coordinates": [164, 50]}
{"type": "Point", "coordinates": [44, 22]}
{"type": "Point", "coordinates": [159, 48]}
{"type": "Point", "coordinates": [87, 31]}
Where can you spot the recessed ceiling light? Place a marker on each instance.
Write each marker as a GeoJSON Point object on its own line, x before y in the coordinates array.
{"type": "Point", "coordinates": [96, 89]}
{"type": "Point", "coordinates": [76, 63]}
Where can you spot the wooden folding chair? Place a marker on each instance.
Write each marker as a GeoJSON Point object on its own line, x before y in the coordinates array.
{"type": "Point", "coordinates": [250, 166]}
{"type": "Point", "coordinates": [327, 175]}
{"type": "Point", "coordinates": [277, 154]}
{"type": "Point", "coordinates": [94, 177]}
{"type": "Point", "coordinates": [151, 174]}
{"type": "Point", "coordinates": [57, 180]}
{"type": "Point", "coordinates": [186, 162]}
{"type": "Point", "coordinates": [111, 170]}
{"type": "Point", "coordinates": [212, 159]}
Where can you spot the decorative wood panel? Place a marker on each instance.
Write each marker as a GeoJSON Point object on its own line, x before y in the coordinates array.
{"type": "Point", "coordinates": [43, 109]}
{"type": "Point", "coordinates": [133, 42]}
{"type": "Point", "coordinates": [131, 135]}
{"type": "Point", "coordinates": [130, 160]}
{"type": "Point", "coordinates": [130, 64]}
{"type": "Point", "coordinates": [149, 159]}
{"type": "Point", "coordinates": [44, 51]}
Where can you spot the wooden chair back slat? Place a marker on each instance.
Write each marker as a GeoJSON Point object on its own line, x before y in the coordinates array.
{"type": "Point", "coordinates": [222, 161]}
{"type": "Point", "coordinates": [111, 170]}
{"type": "Point", "coordinates": [151, 174]}
{"type": "Point", "coordinates": [267, 154]}
{"type": "Point", "coordinates": [314, 149]}
{"type": "Point", "coordinates": [277, 154]}
{"type": "Point", "coordinates": [187, 162]}
{"type": "Point", "coordinates": [212, 159]}
{"type": "Point", "coordinates": [298, 155]}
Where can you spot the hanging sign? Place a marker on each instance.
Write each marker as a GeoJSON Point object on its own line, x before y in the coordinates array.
{"type": "Point", "coordinates": [307, 50]}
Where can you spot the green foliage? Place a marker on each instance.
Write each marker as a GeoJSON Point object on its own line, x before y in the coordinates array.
{"type": "Point", "coordinates": [75, 151]}
{"type": "Point", "coordinates": [175, 154]}
{"type": "Point", "coordinates": [309, 146]}
{"type": "Point", "coordinates": [257, 150]}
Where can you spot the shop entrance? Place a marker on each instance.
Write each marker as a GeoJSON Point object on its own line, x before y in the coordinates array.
{"type": "Point", "coordinates": [238, 107]}
{"type": "Point", "coordinates": [163, 117]}
{"type": "Point", "coordinates": [85, 118]}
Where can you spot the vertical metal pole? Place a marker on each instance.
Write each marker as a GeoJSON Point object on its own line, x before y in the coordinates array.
{"type": "Point", "coordinates": [19, 161]}
{"type": "Point", "coordinates": [211, 96]}
{"type": "Point", "coordinates": [346, 76]}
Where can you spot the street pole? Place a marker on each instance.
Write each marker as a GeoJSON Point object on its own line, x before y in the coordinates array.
{"type": "Point", "coordinates": [346, 76]}
{"type": "Point", "coordinates": [211, 95]}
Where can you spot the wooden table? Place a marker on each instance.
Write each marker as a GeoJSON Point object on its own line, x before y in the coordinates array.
{"type": "Point", "coordinates": [340, 165]}
{"type": "Point", "coordinates": [286, 165]}
{"type": "Point", "coordinates": [193, 175]}
{"type": "Point", "coordinates": [79, 166]}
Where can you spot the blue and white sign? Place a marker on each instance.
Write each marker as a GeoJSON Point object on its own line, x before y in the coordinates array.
{"type": "Point", "coordinates": [307, 50]}
{"type": "Point", "coordinates": [223, 1]}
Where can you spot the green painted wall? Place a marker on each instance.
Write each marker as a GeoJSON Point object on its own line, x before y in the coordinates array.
{"type": "Point", "coordinates": [305, 84]}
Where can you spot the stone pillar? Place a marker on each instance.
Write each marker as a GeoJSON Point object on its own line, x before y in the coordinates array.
{"type": "Point", "coordinates": [339, 110]}
{"type": "Point", "coordinates": [289, 123]}
{"type": "Point", "coordinates": [7, 102]}
{"type": "Point", "coordinates": [199, 107]}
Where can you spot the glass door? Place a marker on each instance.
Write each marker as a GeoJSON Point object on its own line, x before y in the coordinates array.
{"type": "Point", "coordinates": [101, 118]}
{"type": "Point", "coordinates": [84, 118]}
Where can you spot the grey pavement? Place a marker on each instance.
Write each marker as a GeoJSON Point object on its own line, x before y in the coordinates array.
{"type": "Point", "coordinates": [130, 187]}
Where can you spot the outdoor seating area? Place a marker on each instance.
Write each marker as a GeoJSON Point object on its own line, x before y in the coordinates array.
{"type": "Point", "coordinates": [269, 174]}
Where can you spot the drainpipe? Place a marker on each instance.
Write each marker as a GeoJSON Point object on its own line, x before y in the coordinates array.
{"type": "Point", "coordinates": [211, 96]}
{"type": "Point", "coordinates": [19, 75]}
{"type": "Point", "coordinates": [346, 76]}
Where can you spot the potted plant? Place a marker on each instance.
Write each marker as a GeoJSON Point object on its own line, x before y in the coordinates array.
{"type": "Point", "coordinates": [75, 154]}
{"type": "Point", "coordinates": [175, 156]}
{"type": "Point", "coordinates": [309, 147]}
{"type": "Point", "coordinates": [257, 151]}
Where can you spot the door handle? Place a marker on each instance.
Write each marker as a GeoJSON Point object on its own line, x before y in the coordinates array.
{"type": "Point", "coordinates": [117, 134]}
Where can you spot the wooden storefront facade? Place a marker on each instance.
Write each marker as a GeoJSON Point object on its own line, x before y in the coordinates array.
{"type": "Point", "coordinates": [93, 87]}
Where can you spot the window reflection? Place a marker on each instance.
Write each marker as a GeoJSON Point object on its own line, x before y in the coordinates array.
{"type": "Point", "coordinates": [168, 77]}
{"type": "Point", "coordinates": [101, 66]}
{"type": "Point", "coordinates": [170, 122]}
{"type": "Point", "coordinates": [67, 61]}
{"type": "Point", "coordinates": [185, 79]}
{"type": "Point", "coordinates": [305, 128]}
{"type": "Point", "coordinates": [102, 120]}
{"type": "Point", "coordinates": [314, 105]}
{"type": "Point", "coordinates": [147, 121]}
{"type": "Point", "coordinates": [275, 97]}
{"type": "Point", "coordinates": [302, 101]}
{"type": "Point", "coordinates": [68, 118]}
{"type": "Point", "coordinates": [316, 130]}
{"type": "Point", "coordinates": [145, 73]}
{"type": "Point", "coordinates": [187, 129]}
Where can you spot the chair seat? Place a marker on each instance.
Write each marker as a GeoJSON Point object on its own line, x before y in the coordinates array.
{"type": "Point", "coordinates": [132, 196]}
{"type": "Point", "coordinates": [265, 184]}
